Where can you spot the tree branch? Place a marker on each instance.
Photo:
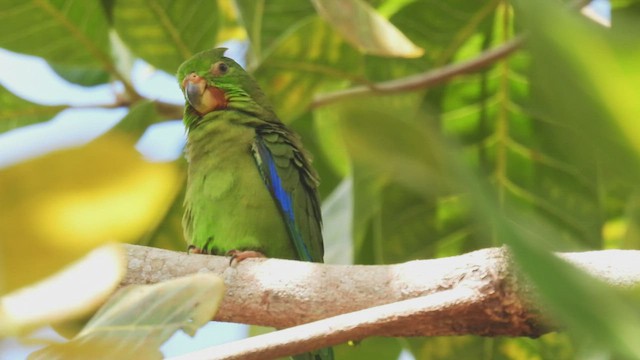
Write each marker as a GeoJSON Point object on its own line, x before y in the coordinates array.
{"type": "Point", "coordinates": [424, 80]}
{"type": "Point", "coordinates": [430, 310]}
{"type": "Point", "coordinates": [476, 293]}
{"type": "Point", "coordinates": [165, 109]}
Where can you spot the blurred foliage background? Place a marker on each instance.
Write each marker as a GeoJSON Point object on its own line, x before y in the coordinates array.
{"type": "Point", "coordinates": [538, 150]}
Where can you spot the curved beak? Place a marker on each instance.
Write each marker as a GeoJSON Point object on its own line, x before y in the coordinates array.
{"type": "Point", "coordinates": [202, 97]}
{"type": "Point", "coordinates": [194, 87]}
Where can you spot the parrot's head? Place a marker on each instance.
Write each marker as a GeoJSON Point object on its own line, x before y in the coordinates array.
{"type": "Point", "coordinates": [210, 82]}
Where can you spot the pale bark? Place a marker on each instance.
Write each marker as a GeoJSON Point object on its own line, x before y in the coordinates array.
{"type": "Point", "coordinates": [475, 293]}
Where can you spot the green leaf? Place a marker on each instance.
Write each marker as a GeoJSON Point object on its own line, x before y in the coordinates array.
{"type": "Point", "coordinates": [384, 133]}
{"type": "Point", "coordinates": [140, 318]}
{"type": "Point", "coordinates": [16, 112]}
{"type": "Point", "coordinates": [550, 346]}
{"type": "Point", "coordinates": [365, 29]}
{"type": "Point", "coordinates": [395, 158]}
{"type": "Point", "coordinates": [265, 21]}
{"type": "Point", "coordinates": [445, 347]}
{"type": "Point", "coordinates": [62, 31]}
{"type": "Point", "coordinates": [490, 114]}
{"type": "Point", "coordinates": [555, 346]}
{"type": "Point", "coordinates": [442, 28]}
{"type": "Point", "coordinates": [601, 111]}
{"type": "Point", "coordinates": [370, 348]}
{"type": "Point", "coordinates": [166, 33]}
{"type": "Point", "coordinates": [81, 75]}
{"type": "Point", "coordinates": [529, 240]}
{"type": "Point", "coordinates": [580, 157]}
{"type": "Point", "coordinates": [309, 58]}
{"type": "Point", "coordinates": [142, 115]}
{"type": "Point", "coordinates": [326, 126]}
{"type": "Point", "coordinates": [617, 4]}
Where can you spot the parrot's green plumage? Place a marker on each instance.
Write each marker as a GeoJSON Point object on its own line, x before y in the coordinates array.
{"type": "Point", "coordinates": [251, 188]}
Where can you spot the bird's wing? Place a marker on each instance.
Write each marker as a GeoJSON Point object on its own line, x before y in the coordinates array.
{"type": "Point", "coordinates": [287, 173]}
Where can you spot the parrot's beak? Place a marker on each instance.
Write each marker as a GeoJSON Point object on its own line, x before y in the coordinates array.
{"type": "Point", "coordinates": [194, 91]}
{"type": "Point", "coordinates": [201, 97]}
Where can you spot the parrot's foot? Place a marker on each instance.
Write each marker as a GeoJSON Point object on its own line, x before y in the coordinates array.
{"type": "Point", "coordinates": [237, 256]}
{"type": "Point", "coordinates": [194, 250]}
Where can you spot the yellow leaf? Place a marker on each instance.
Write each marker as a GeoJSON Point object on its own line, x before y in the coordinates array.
{"type": "Point", "coordinates": [70, 293]}
{"type": "Point", "coordinates": [58, 207]}
{"type": "Point", "coordinates": [366, 29]}
{"type": "Point", "coordinates": [139, 318]}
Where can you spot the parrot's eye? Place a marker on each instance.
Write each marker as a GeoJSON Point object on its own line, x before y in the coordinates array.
{"type": "Point", "coordinates": [219, 68]}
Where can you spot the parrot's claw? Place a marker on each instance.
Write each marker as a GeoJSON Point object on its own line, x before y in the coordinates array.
{"type": "Point", "coordinates": [194, 250]}
{"type": "Point", "coordinates": [237, 256]}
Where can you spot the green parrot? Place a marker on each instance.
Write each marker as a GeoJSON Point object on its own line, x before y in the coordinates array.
{"type": "Point", "coordinates": [251, 190]}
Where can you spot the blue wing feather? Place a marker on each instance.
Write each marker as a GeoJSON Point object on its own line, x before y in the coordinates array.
{"type": "Point", "coordinates": [283, 199]}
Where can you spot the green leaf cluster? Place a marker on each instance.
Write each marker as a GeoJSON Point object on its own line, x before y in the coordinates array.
{"type": "Point", "coordinates": [538, 150]}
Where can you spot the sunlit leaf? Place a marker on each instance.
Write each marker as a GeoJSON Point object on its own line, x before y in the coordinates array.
{"type": "Point", "coordinates": [281, 16]}
{"type": "Point", "coordinates": [490, 114]}
{"type": "Point", "coordinates": [337, 215]}
{"type": "Point", "coordinates": [139, 318]}
{"type": "Point", "coordinates": [331, 140]}
{"type": "Point", "coordinates": [581, 153]}
{"type": "Point", "coordinates": [442, 28]}
{"type": "Point", "coordinates": [310, 58]}
{"type": "Point", "coordinates": [229, 27]}
{"type": "Point", "coordinates": [58, 207]}
{"type": "Point", "coordinates": [168, 234]}
{"type": "Point", "coordinates": [604, 77]}
{"type": "Point", "coordinates": [367, 30]}
{"type": "Point", "coordinates": [166, 33]}
{"type": "Point", "coordinates": [559, 65]}
{"type": "Point", "coordinates": [71, 293]}
{"type": "Point", "coordinates": [16, 112]}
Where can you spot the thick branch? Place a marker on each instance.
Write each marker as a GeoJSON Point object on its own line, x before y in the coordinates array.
{"type": "Point", "coordinates": [476, 293]}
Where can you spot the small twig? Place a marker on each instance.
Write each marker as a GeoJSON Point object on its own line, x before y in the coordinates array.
{"type": "Point", "coordinates": [165, 109]}
{"type": "Point", "coordinates": [169, 111]}
{"type": "Point", "coordinates": [427, 79]}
